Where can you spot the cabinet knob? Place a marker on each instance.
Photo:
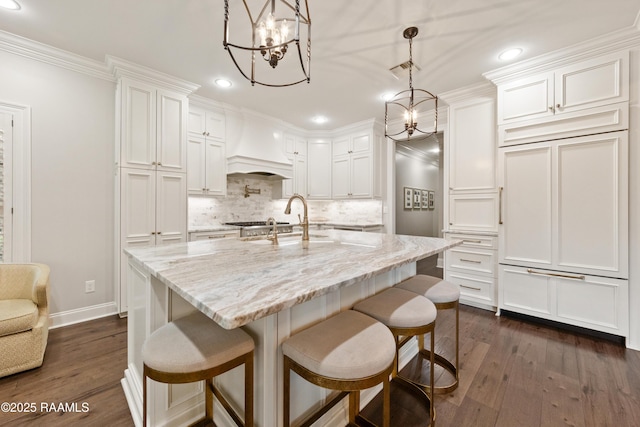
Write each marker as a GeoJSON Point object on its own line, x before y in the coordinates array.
{"type": "Point", "coordinates": [153, 163]}
{"type": "Point", "coordinates": [153, 233]}
{"type": "Point", "coordinates": [159, 232]}
{"type": "Point", "coordinates": [207, 133]}
{"type": "Point", "coordinates": [552, 109]}
{"type": "Point", "coordinates": [204, 133]}
{"type": "Point", "coordinates": [159, 164]}
{"type": "Point", "coordinates": [558, 106]}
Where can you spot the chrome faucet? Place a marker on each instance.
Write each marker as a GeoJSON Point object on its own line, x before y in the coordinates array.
{"type": "Point", "coordinates": [303, 222]}
{"type": "Point", "coordinates": [273, 238]}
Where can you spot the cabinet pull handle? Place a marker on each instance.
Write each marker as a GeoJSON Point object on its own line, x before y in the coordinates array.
{"type": "Point", "coordinates": [500, 206]}
{"type": "Point", "coordinates": [219, 236]}
{"type": "Point", "coordinates": [471, 241]}
{"type": "Point", "coordinates": [470, 260]}
{"type": "Point", "coordinates": [566, 276]}
{"type": "Point", "coordinates": [471, 287]}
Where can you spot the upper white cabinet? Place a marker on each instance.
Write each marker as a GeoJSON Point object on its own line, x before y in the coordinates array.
{"type": "Point", "coordinates": [564, 205]}
{"type": "Point", "coordinates": [152, 133]}
{"type": "Point", "coordinates": [319, 169]}
{"type": "Point", "coordinates": [207, 161]}
{"type": "Point", "coordinates": [295, 148]}
{"type": "Point", "coordinates": [591, 83]}
{"type": "Point", "coordinates": [355, 166]}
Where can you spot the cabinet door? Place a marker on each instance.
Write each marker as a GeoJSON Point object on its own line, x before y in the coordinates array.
{"type": "Point", "coordinates": [528, 98]}
{"type": "Point", "coordinates": [300, 174]}
{"type": "Point", "coordinates": [138, 125]}
{"type": "Point", "coordinates": [595, 82]}
{"type": "Point", "coordinates": [196, 165]}
{"type": "Point", "coordinates": [137, 194]}
{"type": "Point", "coordinates": [216, 168]}
{"type": "Point", "coordinates": [472, 146]}
{"type": "Point", "coordinates": [171, 208]}
{"type": "Point", "coordinates": [526, 208]}
{"type": "Point", "coordinates": [341, 146]}
{"type": "Point", "coordinates": [473, 212]}
{"type": "Point", "coordinates": [340, 170]}
{"type": "Point", "coordinates": [215, 126]}
{"type": "Point", "coordinates": [361, 175]}
{"type": "Point", "coordinates": [319, 170]}
{"type": "Point", "coordinates": [171, 131]}
{"type": "Point", "coordinates": [592, 207]}
{"type": "Point", "coordinates": [361, 143]}
{"type": "Point", "coordinates": [197, 122]}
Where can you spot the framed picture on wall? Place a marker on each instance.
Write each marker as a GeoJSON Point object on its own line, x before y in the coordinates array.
{"type": "Point", "coordinates": [424, 199]}
{"type": "Point", "coordinates": [432, 196]}
{"type": "Point", "coordinates": [408, 198]}
{"type": "Point", "coordinates": [416, 198]}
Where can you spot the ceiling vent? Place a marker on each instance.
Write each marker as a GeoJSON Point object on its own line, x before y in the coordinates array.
{"type": "Point", "coordinates": [402, 70]}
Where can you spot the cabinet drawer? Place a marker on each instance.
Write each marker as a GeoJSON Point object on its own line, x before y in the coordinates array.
{"type": "Point", "coordinates": [213, 235]}
{"type": "Point", "coordinates": [475, 241]}
{"type": "Point", "coordinates": [471, 260]}
{"type": "Point", "coordinates": [474, 288]}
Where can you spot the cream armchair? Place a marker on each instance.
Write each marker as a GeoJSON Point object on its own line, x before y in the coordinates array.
{"type": "Point", "coordinates": [24, 316]}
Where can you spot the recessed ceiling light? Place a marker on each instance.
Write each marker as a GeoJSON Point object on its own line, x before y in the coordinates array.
{"type": "Point", "coordinates": [510, 54]}
{"type": "Point", "coordinates": [386, 96]}
{"type": "Point", "coordinates": [10, 4]}
{"type": "Point", "coordinates": [319, 120]}
{"type": "Point", "coordinates": [221, 82]}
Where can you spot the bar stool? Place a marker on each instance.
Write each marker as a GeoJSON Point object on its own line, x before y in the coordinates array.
{"type": "Point", "coordinates": [348, 352]}
{"type": "Point", "coordinates": [194, 348]}
{"type": "Point", "coordinates": [406, 314]}
{"type": "Point", "coordinates": [445, 295]}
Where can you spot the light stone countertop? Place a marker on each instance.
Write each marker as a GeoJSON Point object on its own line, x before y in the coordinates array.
{"type": "Point", "coordinates": [236, 281]}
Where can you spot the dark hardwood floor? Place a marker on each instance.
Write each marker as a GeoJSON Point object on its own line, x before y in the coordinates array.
{"type": "Point", "coordinates": [512, 373]}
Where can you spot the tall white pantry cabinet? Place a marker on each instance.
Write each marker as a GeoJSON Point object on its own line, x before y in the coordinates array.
{"type": "Point", "coordinates": [150, 166]}
{"type": "Point", "coordinates": [563, 177]}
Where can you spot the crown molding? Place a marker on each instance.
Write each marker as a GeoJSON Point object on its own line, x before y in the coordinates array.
{"type": "Point", "coordinates": [37, 51]}
{"type": "Point", "coordinates": [482, 89]}
{"type": "Point", "coordinates": [622, 39]}
{"type": "Point", "coordinates": [122, 68]}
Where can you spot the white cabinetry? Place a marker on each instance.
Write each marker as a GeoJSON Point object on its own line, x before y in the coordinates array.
{"type": "Point", "coordinates": [586, 84]}
{"type": "Point", "coordinates": [207, 161]}
{"type": "Point", "coordinates": [564, 205]}
{"type": "Point", "coordinates": [151, 164]}
{"type": "Point", "coordinates": [295, 148]}
{"type": "Point", "coordinates": [319, 169]}
{"type": "Point", "coordinates": [471, 212]}
{"type": "Point", "coordinates": [153, 132]}
{"type": "Point", "coordinates": [355, 166]}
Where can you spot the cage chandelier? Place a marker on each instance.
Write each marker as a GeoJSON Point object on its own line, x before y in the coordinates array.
{"type": "Point", "coordinates": [406, 106]}
{"type": "Point", "coordinates": [274, 36]}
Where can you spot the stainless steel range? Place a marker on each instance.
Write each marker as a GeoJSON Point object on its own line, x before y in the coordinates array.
{"type": "Point", "coordinates": [260, 228]}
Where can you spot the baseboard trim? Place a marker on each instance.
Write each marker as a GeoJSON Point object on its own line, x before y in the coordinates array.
{"type": "Point", "coordinates": [70, 317]}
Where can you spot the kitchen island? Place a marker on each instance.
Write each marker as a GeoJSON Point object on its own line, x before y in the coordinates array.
{"type": "Point", "coordinates": [271, 291]}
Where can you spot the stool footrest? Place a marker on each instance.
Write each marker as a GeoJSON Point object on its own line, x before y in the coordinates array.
{"type": "Point", "coordinates": [324, 409]}
{"type": "Point", "coordinates": [446, 364]}
{"type": "Point", "coordinates": [419, 390]}
{"type": "Point", "coordinates": [225, 404]}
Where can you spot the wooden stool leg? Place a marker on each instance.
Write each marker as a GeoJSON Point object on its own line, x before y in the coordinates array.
{"type": "Point", "coordinates": [208, 399]}
{"type": "Point", "coordinates": [286, 393]}
{"type": "Point", "coordinates": [144, 397]}
{"type": "Point", "coordinates": [457, 340]}
{"type": "Point", "coordinates": [386, 403]}
{"type": "Point", "coordinates": [248, 390]}
{"type": "Point", "coordinates": [432, 412]}
{"type": "Point", "coordinates": [354, 406]}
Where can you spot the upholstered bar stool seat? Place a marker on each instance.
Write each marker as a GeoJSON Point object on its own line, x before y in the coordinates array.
{"type": "Point", "coordinates": [194, 348]}
{"type": "Point", "coordinates": [406, 314]}
{"type": "Point", "coordinates": [445, 295]}
{"type": "Point", "coordinates": [348, 352]}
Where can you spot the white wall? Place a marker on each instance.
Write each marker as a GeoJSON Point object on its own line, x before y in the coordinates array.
{"type": "Point", "coordinates": [72, 129]}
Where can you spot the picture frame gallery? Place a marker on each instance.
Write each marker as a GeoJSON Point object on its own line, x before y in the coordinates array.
{"type": "Point", "coordinates": [419, 199]}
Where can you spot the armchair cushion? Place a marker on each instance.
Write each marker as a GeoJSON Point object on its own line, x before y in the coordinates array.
{"type": "Point", "coordinates": [17, 315]}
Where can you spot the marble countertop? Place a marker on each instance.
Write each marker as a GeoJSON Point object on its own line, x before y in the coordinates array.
{"type": "Point", "coordinates": [237, 281]}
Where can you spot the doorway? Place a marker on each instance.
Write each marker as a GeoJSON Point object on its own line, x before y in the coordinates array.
{"type": "Point", "coordinates": [419, 193]}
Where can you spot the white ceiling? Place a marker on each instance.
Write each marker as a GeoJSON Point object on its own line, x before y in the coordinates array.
{"type": "Point", "coordinates": [354, 43]}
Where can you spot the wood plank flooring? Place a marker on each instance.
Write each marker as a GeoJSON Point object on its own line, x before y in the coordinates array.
{"type": "Point", "coordinates": [512, 373]}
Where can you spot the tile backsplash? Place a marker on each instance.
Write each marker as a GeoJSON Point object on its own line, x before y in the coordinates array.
{"type": "Point", "coordinates": [213, 211]}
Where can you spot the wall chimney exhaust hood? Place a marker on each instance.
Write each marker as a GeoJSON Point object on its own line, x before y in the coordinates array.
{"type": "Point", "coordinates": [255, 146]}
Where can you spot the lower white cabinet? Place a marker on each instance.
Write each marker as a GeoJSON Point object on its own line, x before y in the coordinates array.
{"type": "Point", "coordinates": [213, 235]}
{"type": "Point", "coordinates": [593, 302]}
{"type": "Point", "coordinates": [473, 267]}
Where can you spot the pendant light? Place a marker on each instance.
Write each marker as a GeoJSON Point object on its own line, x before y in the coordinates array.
{"type": "Point", "coordinates": [407, 106]}
{"type": "Point", "coordinates": [269, 41]}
